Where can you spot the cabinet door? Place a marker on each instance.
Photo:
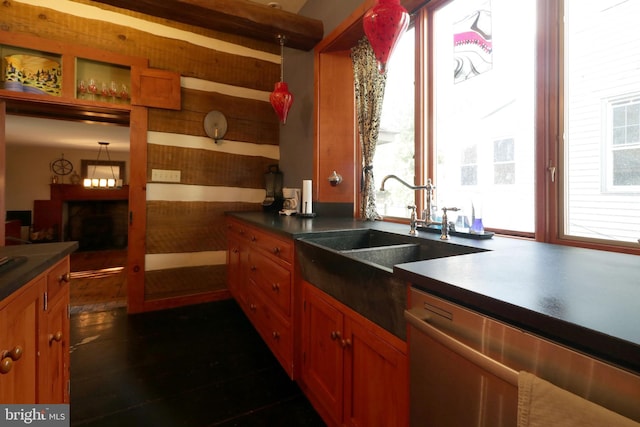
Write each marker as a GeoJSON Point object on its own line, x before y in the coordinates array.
{"type": "Point", "coordinates": [155, 88]}
{"type": "Point", "coordinates": [376, 380]}
{"type": "Point", "coordinates": [54, 352]}
{"type": "Point", "coordinates": [20, 319]}
{"type": "Point", "coordinates": [322, 358]}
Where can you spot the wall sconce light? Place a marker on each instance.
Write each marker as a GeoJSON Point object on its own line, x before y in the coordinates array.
{"type": "Point", "coordinates": [383, 24]}
{"type": "Point", "coordinates": [102, 183]}
{"type": "Point", "coordinates": [215, 125]}
{"type": "Point", "coordinates": [281, 99]}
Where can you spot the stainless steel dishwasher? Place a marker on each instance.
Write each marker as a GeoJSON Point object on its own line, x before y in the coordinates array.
{"type": "Point", "coordinates": [464, 368]}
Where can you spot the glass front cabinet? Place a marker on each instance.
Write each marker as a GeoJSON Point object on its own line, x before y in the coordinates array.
{"type": "Point", "coordinates": [46, 71]}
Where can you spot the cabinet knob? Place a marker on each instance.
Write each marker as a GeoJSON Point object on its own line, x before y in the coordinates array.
{"type": "Point", "coordinates": [66, 277]}
{"type": "Point", "coordinates": [5, 365]}
{"type": "Point", "coordinates": [252, 307]}
{"type": "Point", "coordinates": [55, 337]}
{"type": "Point", "coordinates": [276, 335]}
{"type": "Point", "coordinates": [235, 250]}
{"type": "Point", "coordinates": [253, 268]}
{"type": "Point", "coordinates": [345, 343]}
{"type": "Point", "coordinates": [276, 250]}
{"type": "Point", "coordinates": [13, 354]}
{"type": "Point", "coordinates": [275, 287]}
{"type": "Point", "coordinates": [335, 335]}
{"type": "Point", "coordinates": [253, 238]}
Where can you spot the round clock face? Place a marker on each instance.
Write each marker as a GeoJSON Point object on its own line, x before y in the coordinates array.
{"type": "Point", "coordinates": [61, 166]}
{"type": "Point", "coordinates": [215, 125]}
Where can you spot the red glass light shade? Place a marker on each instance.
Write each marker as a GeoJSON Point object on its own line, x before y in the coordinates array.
{"type": "Point", "coordinates": [281, 100]}
{"type": "Point", "coordinates": [383, 25]}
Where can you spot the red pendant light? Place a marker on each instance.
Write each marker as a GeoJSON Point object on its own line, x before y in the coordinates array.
{"type": "Point", "coordinates": [383, 25]}
{"type": "Point", "coordinates": [281, 99]}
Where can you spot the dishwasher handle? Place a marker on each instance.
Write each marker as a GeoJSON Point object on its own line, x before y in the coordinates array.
{"type": "Point", "coordinates": [483, 361]}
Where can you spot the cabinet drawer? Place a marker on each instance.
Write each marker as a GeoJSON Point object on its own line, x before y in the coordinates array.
{"type": "Point", "coordinates": [238, 230]}
{"type": "Point", "coordinates": [273, 279]}
{"type": "Point", "coordinates": [275, 331]}
{"type": "Point", "coordinates": [279, 248]}
{"type": "Point", "coordinates": [57, 278]}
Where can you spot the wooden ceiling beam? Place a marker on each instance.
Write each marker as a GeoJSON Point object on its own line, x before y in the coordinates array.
{"type": "Point", "coordinates": [240, 17]}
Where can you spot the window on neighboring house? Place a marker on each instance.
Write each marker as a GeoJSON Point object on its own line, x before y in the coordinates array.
{"type": "Point", "coordinates": [504, 165]}
{"type": "Point", "coordinates": [623, 172]}
{"type": "Point", "coordinates": [469, 167]}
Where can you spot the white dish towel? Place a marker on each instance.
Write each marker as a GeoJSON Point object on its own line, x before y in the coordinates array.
{"type": "Point", "coordinates": [542, 404]}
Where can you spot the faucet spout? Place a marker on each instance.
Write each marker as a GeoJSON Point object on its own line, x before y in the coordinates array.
{"type": "Point", "coordinates": [429, 186]}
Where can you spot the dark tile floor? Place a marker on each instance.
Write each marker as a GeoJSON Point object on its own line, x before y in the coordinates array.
{"type": "Point", "coordinates": [201, 365]}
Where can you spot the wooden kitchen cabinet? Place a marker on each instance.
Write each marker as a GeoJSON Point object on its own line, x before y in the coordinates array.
{"type": "Point", "coordinates": [54, 338]}
{"type": "Point", "coordinates": [260, 278]}
{"type": "Point", "coordinates": [20, 316]}
{"type": "Point", "coordinates": [354, 372]}
{"type": "Point", "coordinates": [34, 340]}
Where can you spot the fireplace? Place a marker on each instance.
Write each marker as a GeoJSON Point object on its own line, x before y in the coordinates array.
{"type": "Point", "coordinates": [97, 224]}
{"type": "Point", "coordinates": [97, 219]}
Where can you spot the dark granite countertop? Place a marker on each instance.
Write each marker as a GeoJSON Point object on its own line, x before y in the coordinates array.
{"type": "Point", "coordinates": [586, 299]}
{"type": "Point", "coordinates": [28, 261]}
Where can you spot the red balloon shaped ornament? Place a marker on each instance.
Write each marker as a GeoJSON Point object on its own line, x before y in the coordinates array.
{"type": "Point", "coordinates": [383, 25]}
{"type": "Point", "coordinates": [281, 100]}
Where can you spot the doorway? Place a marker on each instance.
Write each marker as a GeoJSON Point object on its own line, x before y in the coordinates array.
{"type": "Point", "coordinates": [98, 271]}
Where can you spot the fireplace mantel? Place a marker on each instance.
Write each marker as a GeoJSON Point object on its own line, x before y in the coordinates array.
{"type": "Point", "coordinates": [48, 214]}
{"type": "Point", "coordinates": [73, 192]}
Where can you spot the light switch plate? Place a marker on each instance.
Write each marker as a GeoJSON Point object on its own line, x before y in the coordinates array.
{"type": "Point", "coordinates": [165, 175]}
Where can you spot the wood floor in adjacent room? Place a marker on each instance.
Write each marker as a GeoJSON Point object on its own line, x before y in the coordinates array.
{"type": "Point", "coordinates": [98, 280]}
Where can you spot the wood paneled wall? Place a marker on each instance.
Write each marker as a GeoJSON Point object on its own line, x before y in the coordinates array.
{"type": "Point", "coordinates": [185, 233]}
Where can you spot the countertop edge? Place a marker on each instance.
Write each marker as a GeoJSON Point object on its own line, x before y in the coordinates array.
{"type": "Point", "coordinates": [39, 258]}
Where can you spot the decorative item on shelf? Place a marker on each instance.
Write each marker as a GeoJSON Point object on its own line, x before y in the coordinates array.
{"type": "Point", "coordinates": [281, 99]}
{"type": "Point", "coordinates": [335, 179]}
{"type": "Point", "coordinates": [101, 182]}
{"type": "Point", "coordinates": [33, 74]}
{"type": "Point", "coordinates": [60, 167]}
{"type": "Point", "coordinates": [75, 178]}
{"type": "Point", "coordinates": [383, 24]}
{"type": "Point", "coordinates": [215, 125]}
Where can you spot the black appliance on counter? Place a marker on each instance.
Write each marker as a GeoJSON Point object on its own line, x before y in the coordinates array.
{"type": "Point", "coordinates": [273, 184]}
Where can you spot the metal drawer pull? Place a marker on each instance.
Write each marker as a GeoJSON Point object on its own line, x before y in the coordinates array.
{"type": "Point", "coordinates": [483, 361]}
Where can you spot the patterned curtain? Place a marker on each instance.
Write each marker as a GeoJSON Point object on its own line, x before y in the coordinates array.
{"type": "Point", "coordinates": [369, 89]}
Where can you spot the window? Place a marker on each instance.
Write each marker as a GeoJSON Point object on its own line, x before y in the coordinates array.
{"type": "Point", "coordinates": [601, 150]}
{"type": "Point", "coordinates": [395, 148]}
{"type": "Point", "coordinates": [625, 146]}
{"type": "Point", "coordinates": [488, 93]}
{"type": "Point", "coordinates": [504, 166]}
{"type": "Point", "coordinates": [537, 106]}
{"type": "Point", "coordinates": [469, 168]}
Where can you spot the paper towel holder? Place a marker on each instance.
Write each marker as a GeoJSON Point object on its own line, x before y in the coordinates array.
{"type": "Point", "coordinates": [335, 179]}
